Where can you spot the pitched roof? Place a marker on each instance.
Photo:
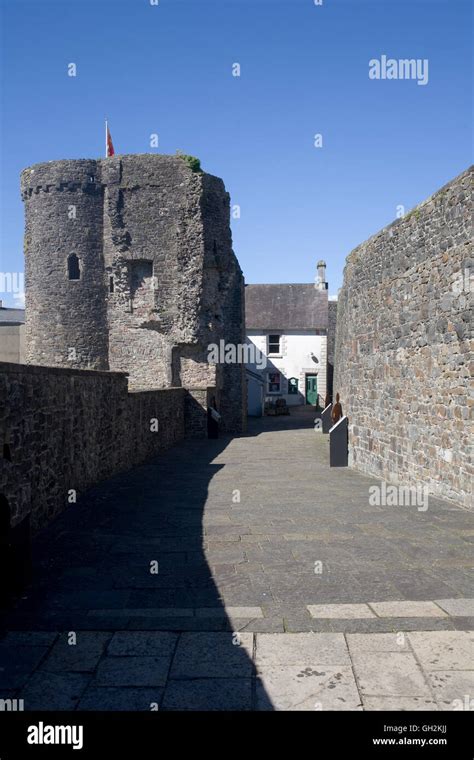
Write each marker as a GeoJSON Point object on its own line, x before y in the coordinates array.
{"type": "Point", "coordinates": [297, 306]}
{"type": "Point", "coordinates": [11, 316]}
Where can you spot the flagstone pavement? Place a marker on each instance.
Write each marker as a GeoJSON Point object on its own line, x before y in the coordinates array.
{"type": "Point", "coordinates": [245, 574]}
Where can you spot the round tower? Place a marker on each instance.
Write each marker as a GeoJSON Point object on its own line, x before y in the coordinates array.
{"type": "Point", "coordinates": [66, 320]}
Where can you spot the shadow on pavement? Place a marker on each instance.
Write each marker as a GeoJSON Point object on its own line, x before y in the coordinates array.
{"type": "Point", "coordinates": [129, 558]}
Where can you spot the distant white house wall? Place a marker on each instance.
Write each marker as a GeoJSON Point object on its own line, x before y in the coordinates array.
{"type": "Point", "coordinates": [288, 325]}
{"type": "Point", "coordinates": [12, 342]}
{"type": "Point", "coordinates": [255, 393]}
{"type": "Point", "coordinates": [12, 335]}
{"type": "Point", "coordinates": [295, 357]}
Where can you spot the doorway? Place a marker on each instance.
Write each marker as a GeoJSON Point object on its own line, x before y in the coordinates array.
{"type": "Point", "coordinates": [312, 389]}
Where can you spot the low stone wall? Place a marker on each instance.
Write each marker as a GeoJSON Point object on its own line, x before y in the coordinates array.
{"type": "Point", "coordinates": [404, 347]}
{"type": "Point", "coordinates": [61, 430]}
{"type": "Point", "coordinates": [196, 404]}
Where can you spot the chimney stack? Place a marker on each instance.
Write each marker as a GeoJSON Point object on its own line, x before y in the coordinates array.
{"type": "Point", "coordinates": [321, 283]}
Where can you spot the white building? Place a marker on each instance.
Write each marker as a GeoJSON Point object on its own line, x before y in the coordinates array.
{"type": "Point", "coordinates": [288, 324]}
{"type": "Point", "coordinates": [12, 334]}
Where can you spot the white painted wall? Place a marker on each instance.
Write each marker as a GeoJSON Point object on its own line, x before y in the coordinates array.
{"type": "Point", "coordinates": [255, 397]}
{"type": "Point", "coordinates": [12, 343]}
{"type": "Point", "coordinates": [294, 361]}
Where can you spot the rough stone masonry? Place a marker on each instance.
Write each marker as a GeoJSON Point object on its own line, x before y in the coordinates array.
{"type": "Point", "coordinates": [129, 267]}
{"type": "Point", "coordinates": [62, 430]}
{"type": "Point", "coordinates": [404, 347]}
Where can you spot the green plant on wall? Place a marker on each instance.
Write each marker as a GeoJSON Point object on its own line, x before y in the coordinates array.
{"type": "Point", "coordinates": [193, 162]}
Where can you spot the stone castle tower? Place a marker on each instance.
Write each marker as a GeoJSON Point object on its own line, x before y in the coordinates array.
{"type": "Point", "coordinates": [129, 267]}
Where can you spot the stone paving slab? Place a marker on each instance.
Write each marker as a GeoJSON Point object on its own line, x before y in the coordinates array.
{"type": "Point", "coordinates": [297, 623]}
{"type": "Point", "coordinates": [142, 643]}
{"type": "Point", "coordinates": [444, 650]}
{"type": "Point", "coordinates": [457, 607]}
{"type": "Point", "coordinates": [209, 694]}
{"type": "Point", "coordinates": [314, 687]}
{"type": "Point", "coordinates": [399, 703]}
{"type": "Point", "coordinates": [384, 674]}
{"type": "Point", "coordinates": [177, 624]}
{"type": "Point", "coordinates": [132, 671]}
{"type": "Point", "coordinates": [17, 664]}
{"type": "Point", "coordinates": [28, 638]}
{"type": "Point", "coordinates": [368, 643]}
{"type": "Point", "coordinates": [463, 623]}
{"type": "Point", "coordinates": [218, 655]}
{"type": "Point", "coordinates": [340, 611]}
{"type": "Point", "coordinates": [407, 609]}
{"type": "Point", "coordinates": [232, 612]}
{"type": "Point", "coordinates": [301, 649]}
{"type": "Point", "coordinates": [80, 656]}
{"type": "Point", "coordinates": [54, 691]}
{"type": "Point", "coordinates": [119, 699]}
{"type": "Point", "coordinates": [451, 685]}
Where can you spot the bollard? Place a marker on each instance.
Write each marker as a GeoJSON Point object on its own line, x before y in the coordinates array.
{"type": "Point", "coordinates": [338, 443]}
{"type": "Point", "coordinates": [326, 418]}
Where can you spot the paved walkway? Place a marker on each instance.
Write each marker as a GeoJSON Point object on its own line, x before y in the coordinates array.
{"type": "Point", "coordinates": [246, 574]}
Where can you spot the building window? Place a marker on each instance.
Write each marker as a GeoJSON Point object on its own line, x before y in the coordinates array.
{"type": "Point", "coordinates": [73, 267]}
{"type": "Point", "coordinates": [293, 386]}
{"type": "Point", "coordinates": [274, 346]}
{"type": "Point", "coordinates": [111, 284]}
{"type": "Point", "coordinates": [274, 382]}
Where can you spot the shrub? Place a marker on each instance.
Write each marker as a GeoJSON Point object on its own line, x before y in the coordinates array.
{"type": "Point", "coordinates": [193, 162]}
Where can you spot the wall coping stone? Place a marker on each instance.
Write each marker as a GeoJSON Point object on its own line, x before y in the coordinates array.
{"type": "Point", "coordinates": [39, 369]}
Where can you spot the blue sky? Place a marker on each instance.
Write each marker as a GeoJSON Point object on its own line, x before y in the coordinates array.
{"type": "Point", "coordinates": [167, 69]}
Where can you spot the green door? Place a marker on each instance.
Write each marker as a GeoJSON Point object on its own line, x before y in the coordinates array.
{"type": "Point", "coordinates": [311, 389]}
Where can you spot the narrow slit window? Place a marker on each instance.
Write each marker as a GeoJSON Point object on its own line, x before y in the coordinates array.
{"type": "Point", "coordinates": [73, 267]}
{"type": "Point", "coordinates": [111, 284]}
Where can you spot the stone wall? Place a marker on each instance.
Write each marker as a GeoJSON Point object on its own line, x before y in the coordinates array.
{"type": "Point", "coordinates": [63, 430]}
{"type": "Point", "coordinates": [331, 346]}
{"type": "Point", "coordinates": [196, 404]}
{"type": "Point", "coordinates": [404, 347]}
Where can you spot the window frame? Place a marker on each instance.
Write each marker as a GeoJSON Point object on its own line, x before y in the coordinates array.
{"type": "Point", "coordinates": [269, 342]}
{"type": "Point", "coordinates": [270, 392]}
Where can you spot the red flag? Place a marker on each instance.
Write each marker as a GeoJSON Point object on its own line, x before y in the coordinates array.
{"type": "Point", "coordinates": [109, 146]}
